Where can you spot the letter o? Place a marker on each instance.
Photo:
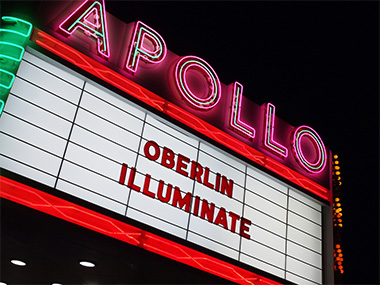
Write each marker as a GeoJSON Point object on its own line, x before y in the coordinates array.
{"type": "Point", "coordinates": [196, 63]}
{"type": "Point", "coordinates": [156, 148]}
{"type": "Point", "coordinates": [312, 166]}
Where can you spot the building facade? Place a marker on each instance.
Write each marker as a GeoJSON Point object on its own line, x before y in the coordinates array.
{"type": "Point", "coordinates": [104, 131]}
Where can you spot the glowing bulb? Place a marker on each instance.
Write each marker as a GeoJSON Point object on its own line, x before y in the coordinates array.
{"type": "Point", "coordinates": [18, 262]}
{"type": "Point", "coordinates": [87, 264]}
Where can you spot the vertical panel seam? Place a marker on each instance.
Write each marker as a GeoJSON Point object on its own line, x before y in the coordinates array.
{"type": "Point", "coordinates": [137, 157]}
{"type": "Point", "coordinates": [69, 136]}
{"type": "Point", "coordinates": [192, 194]}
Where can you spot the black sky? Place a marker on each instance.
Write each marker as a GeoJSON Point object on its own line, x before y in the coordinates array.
{"type": "Point", "coordinates": [318, 62]}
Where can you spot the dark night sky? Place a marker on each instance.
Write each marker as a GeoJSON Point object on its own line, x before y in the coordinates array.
{"type": "Point", "coordinates": [318, 63]}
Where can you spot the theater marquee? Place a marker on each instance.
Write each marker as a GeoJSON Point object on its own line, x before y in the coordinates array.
{"type": "Point", "coordinates": [77, 136]}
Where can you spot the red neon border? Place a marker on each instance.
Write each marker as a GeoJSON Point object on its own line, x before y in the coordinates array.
{"type": "Point", "coordinates": [108, 75]}
{"type": "Point", "coordinates": [65, 210]}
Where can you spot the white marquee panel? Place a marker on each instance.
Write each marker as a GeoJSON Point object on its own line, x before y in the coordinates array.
{"type": "Point", "coordinates": [73, 135]}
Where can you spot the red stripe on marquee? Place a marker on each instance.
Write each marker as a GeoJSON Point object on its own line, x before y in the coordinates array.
{"type": "Point", "coordinates": [108, 75]}
{"type": "Point", "coordinates": [65, 210]}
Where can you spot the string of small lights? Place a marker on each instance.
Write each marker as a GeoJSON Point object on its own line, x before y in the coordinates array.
{"type": "Point", "coordinates": [337, 221]}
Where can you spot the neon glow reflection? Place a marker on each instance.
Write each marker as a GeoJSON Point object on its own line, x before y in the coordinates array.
{"type": "Point", "coordinates": [214, 88]}
{"type": "Point", "coordinates": [235, 122]}
{"type": "Point", "coordinates": [320, 163]}
{"type": "Point", "coordinates": [269, 141]}
{"type": "Point", "coordinates": [137, 51]}
{"type": "Point", "coordinates": [79, 19]}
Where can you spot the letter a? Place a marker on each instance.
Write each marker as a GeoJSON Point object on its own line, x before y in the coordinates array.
{"type": "Point", "coordinates": [90, 17]}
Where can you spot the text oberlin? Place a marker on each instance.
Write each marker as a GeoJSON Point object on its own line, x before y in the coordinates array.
{"type": "Point", "coordinates": [186, 201]}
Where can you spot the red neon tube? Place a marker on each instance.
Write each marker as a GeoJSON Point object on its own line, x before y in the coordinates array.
{"type": "Point", "coordinates": [65, 210]}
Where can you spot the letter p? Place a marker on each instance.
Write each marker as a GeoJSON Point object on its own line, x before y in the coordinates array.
{"type": "Point", "coordinates": [147, 45]}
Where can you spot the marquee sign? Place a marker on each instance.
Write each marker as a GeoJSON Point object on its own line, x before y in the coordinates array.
{"type": "Point", "coordinates": [63, 130]}
{"type": "Point", "coordinates": [138, 52]}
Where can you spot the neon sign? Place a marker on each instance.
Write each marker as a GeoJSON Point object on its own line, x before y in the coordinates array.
{"type": "Point", "coordinates": [138, 50]}
{"type": "Point", "coordinates": [300, 134]}
{"type": "Point", "coordinates": [192, 62]}
{"type": "Point", "coordinates": [15, 33]}
{"type": "Point", "coordinates": [90, 17]}
{"type": "Point", "coordinates": [193, 84]}
{"type": "Point", "coordinates": [235, 121]}
{"type": "Point", "coordinates": [269, 141]}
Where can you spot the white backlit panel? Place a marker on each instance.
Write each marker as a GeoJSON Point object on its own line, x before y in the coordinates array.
{"type": "Point", "coordinates": [222, 156]}
{"type": "Point", "coordinates": [303, 224]}
{"type": "Point", "coordinates": [298, 280]}
{"type": "Point", "coordinates": [27, 170]}
{"type": "Point", "coordinates": [303, 198]}
{"type": "Point", "coordinates": [222, 167]}
{"type": "Point", "coordinates": [264, 253]}
{"type": "Point", "coordinates": [266, 221]}
{"type": "Point", "coordinates": [308, 272]}
{"type": "Point", "coordinates": [265, 205]}
{"type": "Point", "coordinates": [106, 111]}
{"type": "Point", "coordinates": [304, 239]}
{"type": "Point", "coordinates": [214, 232]}
{"type": "Point", "coordinates": [157, 223]}
{"type": "Point", "coordinates": [29, 154]}
{"type": "Point", "coordinates": [44, 99]}
{"type": "Point", "coordinates": [260, 187]}
{"type": "Point", "coordinates": [48, 82]}
{"type": "Point", "coordinates": [93, 182]}
{"type": "Point", "coordinates": [33, 135]}
{"type": "Point", "coordinates": [37, 116]}
{"type": "Point", "coordinates": [60, 72]}
{"type": "Point", "coordinates": [67, 132]}
{"type": "Point", "coordinates": [272, 240]}
{"type": "Point", "coordinates": [305, 211]}
{"type": "Point", "coordinates": [210, 244]}
{"type": "Point", "coordinates": [85, 194]}
{"type": "Point", "coordinates": [304, 254]}
{"type": "Point", "coordinates": [105, 128]}
{"type": "Point", "coordinates": [262, 265]}
{"type": "Point", "coordinates": [98, 144]}
{"type": "Point", "coordinates": [267, 180]}
{"type": "Point", "coordinates": [113, 99]}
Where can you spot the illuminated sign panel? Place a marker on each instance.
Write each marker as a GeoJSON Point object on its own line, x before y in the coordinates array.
{"type": "Point", "coordinates": [139, 53]}
{"type": "Point", "coordinates": [62, 130]}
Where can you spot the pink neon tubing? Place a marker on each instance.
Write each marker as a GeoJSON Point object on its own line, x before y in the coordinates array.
{"type": "Point", "coordinates": [240, 125]}
{"type": "Point", "coordinates": [321, 150]}
{"type": "Point", "coordinates": [153, 37]}
{"type": "Point", "coordinates": [105, 27]}
{"type": "Point", "coordinates": [268, 136]}
{"type": "Point", "coordinates": [211, 74]}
